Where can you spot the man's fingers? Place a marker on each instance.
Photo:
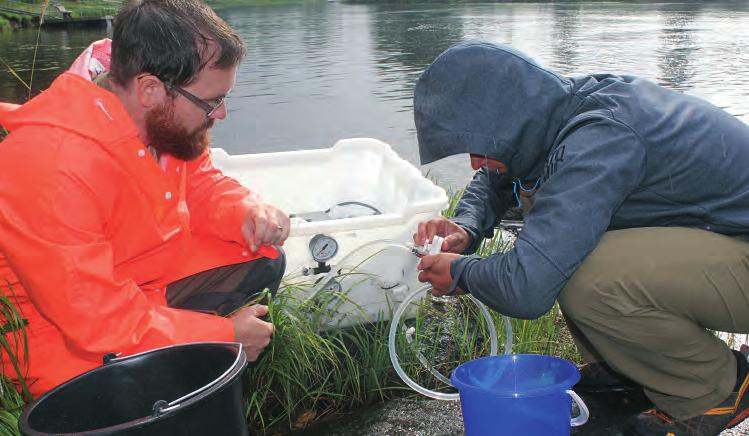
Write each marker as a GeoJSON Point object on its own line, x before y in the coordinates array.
{"type": "Point", "coordinates": [248, 233]}
{"type": "Point", "coordinates": [419, 235]}
{"type": "Point", "coordinates": [271, 229]}
{"type": "Point", "coordinates": [261, 228]}
{"type": "Point", "coordinates": [427, 229]}
{"type": "Point", "coordinates": [432, 228]}
{"type": "Point", "coordinates": [259, 310]}
{"type": "Point", "coordinates": [427, 262]}
{"type": "Point", "coordinates": [426, 275]}
{"type": "Point", "coordinates": [266, 227]}
{"type": "Point", "coordinates": [252, 353]}
{"type": "Point", "coordinates": [285, 224]}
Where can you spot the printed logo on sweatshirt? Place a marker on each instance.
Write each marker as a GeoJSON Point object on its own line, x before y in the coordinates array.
{"type": "Point", "coordinates": [552, 163]}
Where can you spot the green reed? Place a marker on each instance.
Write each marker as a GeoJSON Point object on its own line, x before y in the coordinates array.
{"type": "Point", "coordinates": [12, 345]}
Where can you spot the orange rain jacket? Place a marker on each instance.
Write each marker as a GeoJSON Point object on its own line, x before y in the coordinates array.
{"type": "Point", "coordinates": [93, 228]}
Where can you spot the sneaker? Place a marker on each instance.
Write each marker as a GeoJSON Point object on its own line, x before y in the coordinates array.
{"type": "Point", "coordinates": [598, 377]}
{"type": "Point", "coordinates": [728, 414]}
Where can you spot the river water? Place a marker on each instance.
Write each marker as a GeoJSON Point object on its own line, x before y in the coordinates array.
{"type": "Point", "coordinates": [321, 71]}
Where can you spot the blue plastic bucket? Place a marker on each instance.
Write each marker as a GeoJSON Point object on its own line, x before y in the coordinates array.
{"type": "Point", "coordinates": [518, 394]}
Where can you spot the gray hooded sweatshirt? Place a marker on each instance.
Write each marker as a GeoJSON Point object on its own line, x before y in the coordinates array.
{"type": "Point", "coordinates": [608, 152]}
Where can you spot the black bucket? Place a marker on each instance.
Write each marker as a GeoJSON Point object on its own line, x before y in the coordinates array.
{"type": "Point", "coordinates": [189, 389]}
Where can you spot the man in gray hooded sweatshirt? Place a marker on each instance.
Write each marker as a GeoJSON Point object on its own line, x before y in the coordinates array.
{"type": "Point", "coordinates": [638, 226]}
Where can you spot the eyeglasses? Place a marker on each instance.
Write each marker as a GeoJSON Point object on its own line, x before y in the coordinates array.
{"type": "Point", "coordinates": [209, 107]}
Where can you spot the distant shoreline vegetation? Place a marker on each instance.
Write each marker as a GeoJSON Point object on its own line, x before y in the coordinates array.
{"type": "Point", "coordinates": [222, 4]}
{"type": "Point", "coordinates": [9, 20]}
{"type": "Point", "coordinates": [20, 14]}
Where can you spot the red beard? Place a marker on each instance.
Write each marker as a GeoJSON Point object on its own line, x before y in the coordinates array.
{"type": "Point", "coordinates": [167, 136]}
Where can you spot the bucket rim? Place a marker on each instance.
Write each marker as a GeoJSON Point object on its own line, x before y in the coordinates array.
{"type": "Point", "coordinates": [189, 400]}
{"type": "Point", "coordinates": [567, 382]}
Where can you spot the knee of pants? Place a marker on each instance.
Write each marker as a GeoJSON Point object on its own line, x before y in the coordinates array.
{"type": "Point", "coordinates": [263, 273]}
{"type": "Point", "coordinates": [278, 265]}
{"type": "Point", "coordinates": [276, 268]}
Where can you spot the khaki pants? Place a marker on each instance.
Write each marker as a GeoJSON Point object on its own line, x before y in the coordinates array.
{"type": "Point", "coordinates": [642, 301]}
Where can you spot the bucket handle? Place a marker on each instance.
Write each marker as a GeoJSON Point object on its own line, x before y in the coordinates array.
{"type": "Point", "coordinates": [161, 406]}
{"type": "Point", "coordinates": [582, 418]}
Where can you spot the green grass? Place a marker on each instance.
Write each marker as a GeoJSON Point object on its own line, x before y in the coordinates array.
{"type": "Point", "coordinates": [4, 23]}
{"type": "Point", "coordinates": [78, 9]}
{"type": "Point", "coordinates": [310, 372]}
{"type": "Point", "coordinates": [12, 346]}
{"type": "Point", "coordinates": [9, 20]}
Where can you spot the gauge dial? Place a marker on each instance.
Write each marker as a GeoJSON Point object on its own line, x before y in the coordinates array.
{"type": "Point", "coordinates": [333, 286]}
{"type": "Point", "coordinates": [323, 247]}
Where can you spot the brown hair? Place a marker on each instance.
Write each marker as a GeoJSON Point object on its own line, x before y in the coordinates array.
{"type": "Point", "coordinates": [171, 39]}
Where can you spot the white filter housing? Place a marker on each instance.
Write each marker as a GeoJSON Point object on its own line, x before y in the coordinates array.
{"type": "Point", "coordinates": [357, 192]}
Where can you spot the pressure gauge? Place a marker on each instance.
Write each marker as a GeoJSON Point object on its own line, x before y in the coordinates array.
{"type": "Point", "coordinates": [323, 247]}
{"type": "Point", "coordinates": [333, 286]}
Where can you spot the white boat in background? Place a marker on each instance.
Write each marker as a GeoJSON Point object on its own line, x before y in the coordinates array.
{"type": "Point", "coordinates": [354, 208]}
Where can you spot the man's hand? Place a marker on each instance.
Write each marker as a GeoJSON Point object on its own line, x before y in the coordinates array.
{"type": "Point", "coordinates": [457, 240]}
{"type": "Point", "coordinates": [435, 269]}
{"type": "Point", "coordinates": [253, 333]}
{"type": "Point", "coordinates": [265, 225]}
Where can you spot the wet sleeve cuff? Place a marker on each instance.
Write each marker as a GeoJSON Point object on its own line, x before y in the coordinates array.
{"type": "Point", "coordinates": [459, 271]}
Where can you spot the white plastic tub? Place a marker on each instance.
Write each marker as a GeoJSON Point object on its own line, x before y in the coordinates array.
{"type": "Point", "coordinates": [334, 192]}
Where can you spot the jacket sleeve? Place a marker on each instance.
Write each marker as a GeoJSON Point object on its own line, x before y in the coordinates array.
{"type": "Point", "coordinates": [589, 174]}
{"type": "Point", "coordinates": [218, 204]}
{"type": "Point", "coordinates": [483, 203]}
{"type": "Point", "coordinates": [53, 233]}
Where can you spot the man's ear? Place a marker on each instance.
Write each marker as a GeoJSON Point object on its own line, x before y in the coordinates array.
{"type": "Point", "coordinates": [151, 91]}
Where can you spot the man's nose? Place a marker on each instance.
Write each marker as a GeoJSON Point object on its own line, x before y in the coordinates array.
{"type": "Point", "coordinates": [220, 112]}
{"type": "Point", "coordinates": [477, 162]}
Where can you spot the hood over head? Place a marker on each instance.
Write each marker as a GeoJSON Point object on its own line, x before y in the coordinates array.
{"type": "Point", "coordinates": [490, 100]}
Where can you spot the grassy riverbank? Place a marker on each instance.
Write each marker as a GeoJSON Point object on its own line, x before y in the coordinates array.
{"type": "Point", "coordinates": [10, 21]}
{"type": "Point", "coordinates": [17, 14]}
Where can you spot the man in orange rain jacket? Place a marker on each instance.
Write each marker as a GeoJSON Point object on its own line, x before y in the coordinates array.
{"type": "Point", "coordinates": [113, 220]}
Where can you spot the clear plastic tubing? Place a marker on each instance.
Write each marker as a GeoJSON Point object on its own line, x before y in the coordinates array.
{"type": "Point", "coordinates": [394, 330]}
